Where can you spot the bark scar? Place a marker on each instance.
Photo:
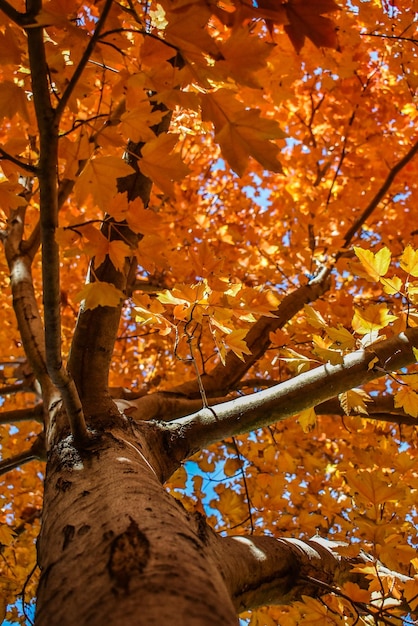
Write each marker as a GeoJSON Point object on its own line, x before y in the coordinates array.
{"type": "Point", "coordinates": [129, 555]}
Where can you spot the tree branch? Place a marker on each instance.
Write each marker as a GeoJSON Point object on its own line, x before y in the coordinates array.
{"type": "Point", "coordinates": [25, 166]}
{"type": "Point", "coordinates": [12, 13]}
{"type": "Point", "coordinates": [380, 194]}
{"type": "Point", "coordinates": [265, 570]}
{"type": "Point", "coordinates": [22, 415]}
{"type": "Point", "coordinates": [379, 409]}
{"type": "Point", "coordinates": [35, 452]}
{"type": "Point", "coordinates": [223, 378]}
{"type": "Point", "coordinates": [24, 301]}
{"type": "Point", "coordinates": [307, 390]}
{"type": "Point", "coordinates": [48, 184]}
{"type": "Point", "coordinates": [96, 330]}
{"type": "Point", "coordinates": [84, 60]}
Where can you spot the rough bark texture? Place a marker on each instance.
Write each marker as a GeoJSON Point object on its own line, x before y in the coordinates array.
{"type": "Point", "coordinates": [115, 548]}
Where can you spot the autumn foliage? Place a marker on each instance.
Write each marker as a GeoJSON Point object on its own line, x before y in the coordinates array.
{"type": "Point", "coordinates": [238, 181]}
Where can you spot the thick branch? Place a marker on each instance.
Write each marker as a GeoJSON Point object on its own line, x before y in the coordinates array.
{"type": "Point", "coordinates": [12, 13]}
{"type": "Point", "coordinates": [96, 330]}
{"type": "Point", "coordinates": [24, 301]}
{"type": "Point", "coordinates": [264, 570]}
{"type": "Point", "coordinates": [292, 396]}
{"type": "Point", "coordinates": [380, 409]}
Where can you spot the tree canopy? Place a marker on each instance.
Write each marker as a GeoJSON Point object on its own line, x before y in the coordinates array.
{"type": "Point", "coordinates": [238, 183]}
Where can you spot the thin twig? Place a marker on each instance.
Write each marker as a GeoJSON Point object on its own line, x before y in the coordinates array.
{"type": "Point", "coordinates": [25, 166]}
{"type": "Point", "coordinates": [84, 60]}
{"type": "Point", "coordinates": [380, 194]}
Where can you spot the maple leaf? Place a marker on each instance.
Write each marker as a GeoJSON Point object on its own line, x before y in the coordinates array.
{"type": "Point", "coordinates": [99, 293]}
{"type": "Point", "coordinates": [374, 486]}
{"type": "Point", "coordinates": [13, 100]}
{"type": "Point", "coordinates": [354, 401]}
{"type": "Point", "coordinates": [137, 122]}
{"type": "Point", "coordinates": [409, 261]}
{"type": "Point", "coordinates": [99, 179]}
{"type": "Point", "coordinates": [407, 399]}
{"type": "Point", "coordinates": [306, 20]}
{"type": "Point", "coordinates": [376, 265]}
{"type": "Point", "coordinates": [307, 419]}
{"type": "Point", "coordinates": [160, 164]}
{"type": "Point", "coordinates": [241, 132]}
{"type": "Point", "coordinates": [235, 341]}
{"type": "Point", "coordinates": [6, 535]}
{"type": "Point", "coordinates": [373, 318]}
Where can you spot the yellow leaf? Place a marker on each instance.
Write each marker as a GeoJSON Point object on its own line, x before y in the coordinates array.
{"type": "Point", "coordinates": [374, 317]}
{"type": "Point", "coordinates": [6, 535]}
{"type": "Point", "coordinates": [353, 401]}
{"type": "Point", "coordinates": [407, 399]}
{"type": "Point", "coordinates": [141, 220]}
{"type": "Point", "coordinates": [99, 294]}
{"type": "Point", "coordinates": [307, 419]}
{"type": "Point", "coordinates": [326, 353]}
{"type": "Point", "coordinates": [235, 341]}
{"type": "Point", "coordinates": [241, 132]}
{"type": "Point", "coordinates": [314, 318]}
{"type": "Point", "coordinates": [97, 245]}
{"type": "Point", "coordinates": [341, 337]}
{"type": "Point", "coordinates": [391, 285]}
{"type": "Point", "coordinates": [374, 486]}
{"type": "Point", "coordinates": [99, 179]}
{"type": "Point", "coordinates": [409, 261]}
{"type": "Point", "coordinates": [160, 165]}
{"type": "Point", "coordinates": [376, 265]}
{"type": "Point", "coordinates": [356, 593]}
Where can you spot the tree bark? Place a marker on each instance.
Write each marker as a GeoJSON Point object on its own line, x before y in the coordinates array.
{"type": "Point", "coordinates": [116, 548]}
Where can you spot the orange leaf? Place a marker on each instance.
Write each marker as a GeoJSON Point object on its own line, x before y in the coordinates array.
{"type": "Point", "coordinates": [99, 179]}
{"type": "Point", "coordinates": [13, 100]}
{"type": "Point", "coordinates": [160, 165]}
{"type": "Point", "coordinates": [306, 20]}
{"type": "Point", "coordinates": [136, 123]}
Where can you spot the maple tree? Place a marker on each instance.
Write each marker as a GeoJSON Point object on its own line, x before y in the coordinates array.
{"type": "Point", "coordinates": [210, 280]}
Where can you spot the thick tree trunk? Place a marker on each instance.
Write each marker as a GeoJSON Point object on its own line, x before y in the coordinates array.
{"type": "Point", "coordinates": [116, 548]}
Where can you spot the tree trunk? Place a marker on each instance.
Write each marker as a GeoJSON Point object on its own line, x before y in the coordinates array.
{"type": "Point", "coordinates": [115, 548]}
